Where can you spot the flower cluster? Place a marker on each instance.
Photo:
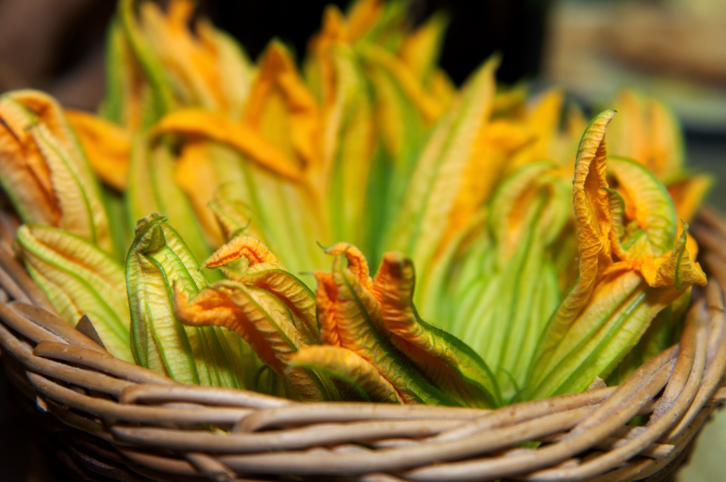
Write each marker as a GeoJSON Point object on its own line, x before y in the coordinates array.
{"type": "Point", "coordinates": [267, 173]}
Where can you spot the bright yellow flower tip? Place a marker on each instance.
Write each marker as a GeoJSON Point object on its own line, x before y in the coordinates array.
{"type": "Point", "coordinates": [648, 132]}
{"type": "Point", "coordinates": [283, 110]}
{"type": "Point", "coordinates": [496, 143]}
{"type": "Point", "coordinates": [240, 247]}
{"type": "Point", "coordinates": [44, 171]}
{"type": "Point", "coordinates": [258, 317]}
{"type": "Point", "coordinates": [199, 123]}
{"type": "Point", "coordinates": [106, 144]}
{"type": "Point", "coordinates": [678, 267]}
{"type": "Point", "coordinates": [354, 370]}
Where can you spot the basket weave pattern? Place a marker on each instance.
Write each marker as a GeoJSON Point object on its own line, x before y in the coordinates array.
{"type": "Point", "coordinates": [124, 422]}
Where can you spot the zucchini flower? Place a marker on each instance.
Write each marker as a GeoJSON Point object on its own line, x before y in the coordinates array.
{"type": "Point", "coordinates": [157, 265]}
{"type": "Point", "coordinates": [79, 279]}
{"type": "Point", "coordinates": [631, 266]}
{"type": "Point", "coordinates": [266, 305]}
{"type": "Point", "coordinates": [44, 171]}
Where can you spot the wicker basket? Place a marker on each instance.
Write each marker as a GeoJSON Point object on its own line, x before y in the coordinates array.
{"type": "Point", "coordinates": [108, 419]}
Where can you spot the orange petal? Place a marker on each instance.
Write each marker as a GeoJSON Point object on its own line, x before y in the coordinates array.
{"type": "Point", "coordinates": [326, 295]}
{"type": "Point", "coordinates": [260, 319]}
{"type": "Point", "coordinates": [357, 262]}
{"type": "Point", "coordinates": [242, 246]}
{"type": "Point", "coordinates": [286, 287]}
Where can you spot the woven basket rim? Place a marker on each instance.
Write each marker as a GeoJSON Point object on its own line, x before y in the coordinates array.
{"type": "Point", "coordinates": [135, 423]}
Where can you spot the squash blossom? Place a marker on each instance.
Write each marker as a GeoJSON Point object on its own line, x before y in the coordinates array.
{"type": "Point", "coordinates": [218, 217]}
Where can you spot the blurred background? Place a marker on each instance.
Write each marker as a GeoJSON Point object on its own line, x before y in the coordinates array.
{"type": "Point", "coordinates": [674, 50]}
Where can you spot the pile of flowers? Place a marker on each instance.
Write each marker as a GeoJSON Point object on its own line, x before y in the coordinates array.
{"type": "Point", "coordinates": [217, 217]}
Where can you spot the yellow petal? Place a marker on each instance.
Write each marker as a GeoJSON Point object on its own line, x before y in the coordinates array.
{"type": "Point", "coordinates": [679, 268]}
{"type": "Point", "coordinates": [665, 140]}
{"type": "Point", "coordinates": [420, 50]}
{"type": "Point", "coordinates": [689, 193]}
{"type": "Point", "coordinates": [349, 367]}
{"type": "Point", "coordinates": [360, 328]}
{"type": "Point", "coordinates": [445, 360]}
{"type": "Point", "coordinates": [283, 110]}
{"type": "Point", "coordinates": [36, 124]}
{"type": "Point", "coordinates": [362, 16]}
{"type": "Point", "coordinates": [196, 176]}
{"type": "Point", "coordinates": [496, 142]}
{"type": "Point", "coordinates": [594, 223]}
{"type": "Point", "coordinates": [107, 145]}
{"type": "Point", "coordinates": [429, 108]}
{"type": "Point", "coordinates": [628, 135]}
{"type": "Point", "coordinates": [318, 67]}
{"type": "Point", "coordinates": [190, 61]}
{"type": "Point", "coordinates": [195, 122]}
{"type": "Point", "coordinates": [23, 172]}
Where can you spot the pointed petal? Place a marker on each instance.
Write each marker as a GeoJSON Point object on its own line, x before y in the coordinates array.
{"type": "Point", "coordinates": [679, 268]}
{"type": "Point", "coordinates": [350, 368]}
{"type": "Point", "coordinates": [360, 329]}
{"type": "Point", "coordinates": [357, 262]}
{"type": "Point", "coordinates": [689, 193]}
{"type": "Point", "coordinates": [240, 247]}
{"type": "Point", "coordinates": [439, 355]}
{"type": "Point", "coordinates": [106, 144]}
{"type": "Point", "coordinates": [283, 110]}
{"type": "Point", "coordinates": [195, 122]}
{"type": "Point", "coordinates": [258, 317]}
{"type": "Point", "coordinates": [326, 295]}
